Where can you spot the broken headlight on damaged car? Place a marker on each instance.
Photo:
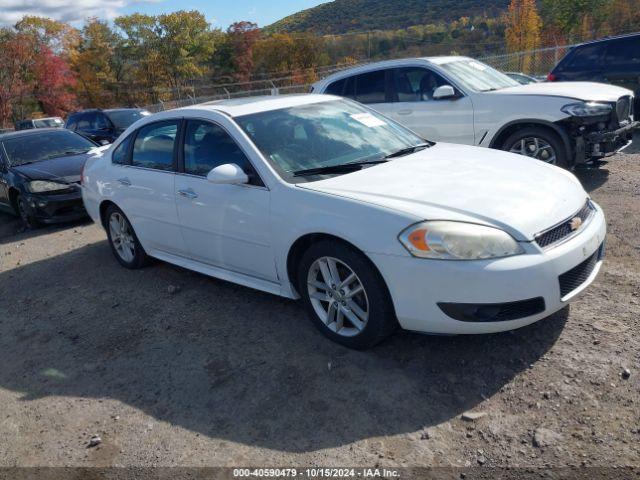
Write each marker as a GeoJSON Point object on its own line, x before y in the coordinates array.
{"type": "Point", "coordinates": [587, 109]}
{"type": "Point", "coordinates": [446, 240]}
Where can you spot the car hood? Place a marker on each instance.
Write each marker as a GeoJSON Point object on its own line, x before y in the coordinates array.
{"type": "Point", "coordinates": [586, 91]}
{"type": "Point", "coordinates": [66, 169]}
{"type": "Point", "coordinates": [461, 183]}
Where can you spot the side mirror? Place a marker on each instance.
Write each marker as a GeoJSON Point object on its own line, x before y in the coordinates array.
{"type": "Point", "coordinates": [228, 174]}
{"type": "Point", "coordinates": [445, 91]}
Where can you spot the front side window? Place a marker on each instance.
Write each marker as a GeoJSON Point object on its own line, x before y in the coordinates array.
{"type": "Point", "coordinates": [207, 146]}
{"type": "Point", "coordinates": [415, 84]}
{"type": "Point", "coordinates": [477, 76]}
{"type": "Point", "coordinates": [21, 150]}
{"type": "Point", "coordinates": [371, 87]}
{"type": "Point", "coordinates": [153, 147]}
{"type": "Point", "coordinates": [324, 135]}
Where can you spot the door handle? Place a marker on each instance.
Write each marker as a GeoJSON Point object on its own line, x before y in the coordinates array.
{"type": "Point", "coordinates": [188, 193]}
{"type": "Point", "coordinates": [125, 181]}
{"type": "Point", "coordinates": [405, 112]}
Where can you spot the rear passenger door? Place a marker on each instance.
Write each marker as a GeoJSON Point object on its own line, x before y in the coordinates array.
{"type": "Point", "coordinates": [370, 88]}
{"type": "Point", "coordinates": [143, 180]}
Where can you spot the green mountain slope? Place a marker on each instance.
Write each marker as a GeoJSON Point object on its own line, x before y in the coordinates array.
{"type": "Point", "coordinates": [343, 16]}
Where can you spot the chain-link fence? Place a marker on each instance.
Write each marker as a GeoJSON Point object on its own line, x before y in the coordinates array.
{"type": "Point", "coordinates": [535, 62]}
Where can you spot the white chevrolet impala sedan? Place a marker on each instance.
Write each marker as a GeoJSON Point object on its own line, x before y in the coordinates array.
{"type": "Point", "coordinates": [373, 227]}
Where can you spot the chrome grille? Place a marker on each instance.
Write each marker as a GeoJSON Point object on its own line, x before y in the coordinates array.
{"type": "Point", "coordinates": [563, 230]}
{"type": "Point", "coordinates": [623, 109]}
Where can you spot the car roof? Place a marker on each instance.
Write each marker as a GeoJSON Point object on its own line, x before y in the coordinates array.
{"type": "Point", "coordinates": [33, 131]}
{"type": "Point", "coordinates": [366, 67]}
{"type": "Point", "coordinates": [123, 109]}
{"type": "Point", "coordinates": [606, 39]}
{"type": "Point", "coordinates": [245, 106]}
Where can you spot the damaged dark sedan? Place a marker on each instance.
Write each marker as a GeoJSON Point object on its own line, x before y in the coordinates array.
{"type": "Point", "coordinates": [40, 175]}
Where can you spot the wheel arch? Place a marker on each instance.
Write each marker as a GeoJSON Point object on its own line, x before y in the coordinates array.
{"type": "Point", "coordinates": [300, 246]}
{"type": "Point", "coordinates": [103, 210]}
{"type": "Point", "coordinates": [511, 127]}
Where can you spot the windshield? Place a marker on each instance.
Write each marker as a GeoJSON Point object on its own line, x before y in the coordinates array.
{"type": "Point", "coordinates": [324, 135]}
{"type": "Point", "coordinates": [24, 149]}
{"type": "Point", "coordinates": [477, 76]}
{"type": "Point", "coordinates": [48, 122]}
{"type": "Point", "coordinates": [122, 119]}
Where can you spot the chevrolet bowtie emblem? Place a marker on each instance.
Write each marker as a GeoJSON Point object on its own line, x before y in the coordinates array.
{"type": "Point", "coordinates": [575, 223]}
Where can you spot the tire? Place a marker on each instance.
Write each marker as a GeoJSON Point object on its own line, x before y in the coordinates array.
{"type": "Point", "coordinates": [22, 210]}
{"type": "Point", "coordinates": [123, 240]}
{"type": "Point", "coordinates": [359, 319]}
{"type": "Point", "coordinates": [525, 138]}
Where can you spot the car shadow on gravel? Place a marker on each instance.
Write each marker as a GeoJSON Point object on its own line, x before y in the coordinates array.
{"type": "Point", "coordinates": [11, 226]}
{"type": "Point", "coordinates": [233, 363]}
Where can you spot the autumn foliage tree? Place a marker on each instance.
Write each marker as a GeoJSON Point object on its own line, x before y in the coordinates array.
{"type": "Point", "coordinates": [242, 36]}
{"type": "Point", "coordinates": [523, 30]}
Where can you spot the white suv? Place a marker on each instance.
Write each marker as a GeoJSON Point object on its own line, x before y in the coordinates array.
{"type": "Point", "coordinates": [461, 100]}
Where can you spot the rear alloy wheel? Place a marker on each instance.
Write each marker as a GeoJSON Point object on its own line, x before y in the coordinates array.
{"type": "Point", "coordinates": [123, 240]}
{"type": "Point", "coordinates": [538, 143]}
{"type": "Point", "coordinates": [345, 296]}
{"type": "Point", "coordinates": [28, 218]}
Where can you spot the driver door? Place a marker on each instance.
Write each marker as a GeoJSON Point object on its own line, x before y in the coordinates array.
{"type": "Point", "coordinates": [444, 120]}
{"type": "Point", "coordinates": [225, 226]}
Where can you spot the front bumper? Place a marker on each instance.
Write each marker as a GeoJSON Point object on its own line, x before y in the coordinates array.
{"type": "Point", "coordinates": [59, 208]}
{"type": "Point", "coordinates": [417, 286]}
{"type": "Point", "coordinates": [603, 143]}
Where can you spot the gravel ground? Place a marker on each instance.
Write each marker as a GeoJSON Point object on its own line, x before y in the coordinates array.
{"type": "Point", "coordinates": [214, 374]}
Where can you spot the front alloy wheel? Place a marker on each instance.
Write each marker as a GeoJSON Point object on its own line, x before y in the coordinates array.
{"type": "Point", "coordinates": [540, 143]}
{"type": "Point", "coordinates": [535, 147]}
{"type": "Point", "coordinates": [345, 295]}
{"type": "Point", "coordinates": [338, 296]}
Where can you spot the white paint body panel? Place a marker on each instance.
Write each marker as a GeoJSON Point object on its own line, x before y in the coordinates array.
{"type": "Point", "coordinates": [244, 234]}
{"type": "Point", "coordinates": [478, 117]}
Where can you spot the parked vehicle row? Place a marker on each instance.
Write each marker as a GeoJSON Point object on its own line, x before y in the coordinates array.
{"type": "Point", "coordinates": [40, 174]}
{"type": "Point", "coordinates": [323, 199]}
{"type": "Point", "coordinates": [462, 100]}
{"type": "Point", "coordinates": [104, 126]}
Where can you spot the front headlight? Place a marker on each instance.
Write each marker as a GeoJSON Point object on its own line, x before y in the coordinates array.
{"type": "Point", "coordinates": [458, 241]}
{"type": "Point", "coordinates": [587, 109]}
{"type": "Point", "coordinates": [40, 186]}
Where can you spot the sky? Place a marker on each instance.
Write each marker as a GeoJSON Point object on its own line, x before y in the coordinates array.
{"type": "Point", "coordinates": [220, 13]}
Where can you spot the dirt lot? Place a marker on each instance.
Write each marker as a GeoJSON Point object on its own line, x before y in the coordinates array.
{"type": "Point", "coordinates": [221, 375]}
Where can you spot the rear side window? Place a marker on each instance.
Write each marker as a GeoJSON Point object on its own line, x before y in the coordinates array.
{"type": "Point", "coordinates": [84, 122]}
{"type": "Point", "coordinates": [623, 52]}
{"type": "Point", "coordinates": [371, 87]}
{"type": "Point", "coordinates": [121, 153]}
{"type": "Point", "coordinates": [154, 144]}
{"type": "Point", "coordinates": [336, 88]}
{"type": "Point", "coordinates": [585, 58]}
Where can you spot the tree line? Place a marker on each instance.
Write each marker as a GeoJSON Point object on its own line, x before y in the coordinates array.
{"type": "Point", "coordinates": [49, 68]}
